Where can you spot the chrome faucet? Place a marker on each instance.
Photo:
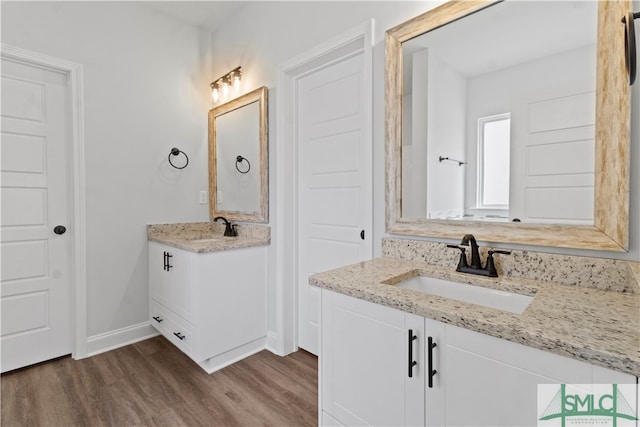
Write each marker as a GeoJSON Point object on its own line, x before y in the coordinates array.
{"type": "Point", "coordinates": [229, 229]}
{"type": "Point", "coordinates": [476, 266]}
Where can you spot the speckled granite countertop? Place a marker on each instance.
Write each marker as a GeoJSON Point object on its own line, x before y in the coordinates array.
{"type": "Point", "coordinates": [596, 326]}
{"type": "Point", "coordinates": [203, 237]}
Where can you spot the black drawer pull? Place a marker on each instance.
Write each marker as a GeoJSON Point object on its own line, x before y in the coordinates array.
{"type": "Point", "coordinates": [412, 362]}
{"type": "Point", "coordinates": [157, 319]}
{"type": "Point", "coordinates": [432, 372]}
{"type": "Point", "coordinates": [179, 335]}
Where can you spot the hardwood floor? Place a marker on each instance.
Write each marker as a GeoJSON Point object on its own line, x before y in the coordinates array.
{"type": "Point", "coordinates": [151, 383]}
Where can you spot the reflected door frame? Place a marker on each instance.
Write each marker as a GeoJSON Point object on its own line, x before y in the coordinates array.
{"type": "Point", "coordinates": [75, 152]}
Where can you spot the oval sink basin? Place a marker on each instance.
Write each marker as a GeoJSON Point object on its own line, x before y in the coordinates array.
{"type": "Point", "coordinates": [502, 300]}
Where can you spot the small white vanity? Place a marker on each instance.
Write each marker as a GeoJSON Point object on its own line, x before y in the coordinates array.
{"type": "Point", "coordinates": [207, 292]}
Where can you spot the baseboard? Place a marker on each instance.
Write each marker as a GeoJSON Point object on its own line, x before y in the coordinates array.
{"type": "Point", "coordinates": [111, 340]}
{"type": "Point", "coordinates": [232, 356]}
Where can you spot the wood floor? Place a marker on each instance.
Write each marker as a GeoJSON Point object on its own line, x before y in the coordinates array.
{"type": "Point", "coordinates": [151, 383]}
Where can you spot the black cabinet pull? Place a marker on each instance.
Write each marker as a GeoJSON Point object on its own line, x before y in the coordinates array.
{"type": "Point", "coordinates": [432, 372]}
{"type": "Point", "coordinates": [167, 265]}
{"type": "Point", "coordinates": [157, 319]}
{"type": "Point", "coordinates": [165, 260]}
{"type": "Point", "coordinates": [412, 362]}
{"type": "Point", "coordinates": [179, 335]}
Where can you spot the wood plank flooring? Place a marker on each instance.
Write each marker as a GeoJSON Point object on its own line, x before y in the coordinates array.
{"type": "Point", "coordinates": [151, 383]}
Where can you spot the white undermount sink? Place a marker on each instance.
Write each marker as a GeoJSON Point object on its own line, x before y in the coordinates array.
{"type": "Point", "coordinates": [493, 298]}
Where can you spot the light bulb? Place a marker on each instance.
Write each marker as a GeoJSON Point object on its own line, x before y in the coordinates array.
{"type": "Point", "coordinates": [225, 89]}
{"type": "Point", "coordinates": [236, 81]}
{"type": "Point", "coordinates": [215, 94]}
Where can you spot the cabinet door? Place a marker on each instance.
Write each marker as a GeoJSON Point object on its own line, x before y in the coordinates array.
{"type": "Point", "coordinates": [159, 278]}
{"type": "Point", "coordinates": [170, 277]}
{"type": "Point", "coordinates": [181, 272]}
{"type": "Point", "coordinates": [486, 381]}
{"type": "Point", "coordinates": [365, 363]}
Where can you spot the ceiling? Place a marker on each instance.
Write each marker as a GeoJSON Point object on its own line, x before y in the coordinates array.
{"type": "Point", "coordinates": [209, 15]}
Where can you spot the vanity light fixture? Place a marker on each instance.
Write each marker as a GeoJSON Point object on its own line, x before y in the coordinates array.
{"type": "Point", "coordinates": [222, 84]}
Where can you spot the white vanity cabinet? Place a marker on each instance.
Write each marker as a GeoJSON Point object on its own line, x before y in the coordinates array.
{"type": "Point", "coordinates": [364, 370]}
{"type": "Point", "coordinates": [486, 381]}
{"type": "Point", "coordinates": [480, 380]}
{"type": "Point", "coordinates": [210, 305]}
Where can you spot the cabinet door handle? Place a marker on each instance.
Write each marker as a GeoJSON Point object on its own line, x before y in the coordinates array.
{"type": "Point", "coordinates": [157, 319]}
{"type": "Point", "coordinates": [179, 335]}
{"type": "Point", "coordinates": [432, 372]}
{"type": "Point", "coordinates": [169, 266]}
{"type": "Point", "coordinates": [412, 362]}
{"type": "Point", "coordinates": [165, 253]}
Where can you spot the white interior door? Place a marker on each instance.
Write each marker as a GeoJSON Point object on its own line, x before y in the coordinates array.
{"type": "Point", "coordinates": [35, 277]}
{"type": "Point", "coordinates": [552, 156]}
{"type": "Point", "coordinates": [334, 180]}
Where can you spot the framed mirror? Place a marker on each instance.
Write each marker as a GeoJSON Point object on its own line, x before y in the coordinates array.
{"type": "Point", "coordinates": [462, 73]}
{"type": "Point", "coordinates": [238, 161]}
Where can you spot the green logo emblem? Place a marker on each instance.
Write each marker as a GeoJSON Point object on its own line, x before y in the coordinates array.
{"type": "Point", "coordinates": [614, 406]}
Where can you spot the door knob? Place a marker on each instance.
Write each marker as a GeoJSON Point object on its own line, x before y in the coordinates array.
{"type": "Point", "coordinates": [60, 229]}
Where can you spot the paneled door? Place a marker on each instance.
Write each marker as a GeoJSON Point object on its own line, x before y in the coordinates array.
{"type": "Point", "coordinates": [552, 155]}
{"type": "Point", "coordinates": [36, 247]}
{"type": "Point", "coordinates": [334, 180]}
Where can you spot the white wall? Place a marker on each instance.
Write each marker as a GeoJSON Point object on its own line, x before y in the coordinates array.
{"type": "Point", "coordinates": [146, 83]}
{"type": "Point", "coordinates": [146, 86]}
{"type": "Point", "coordinates": [447, 96]}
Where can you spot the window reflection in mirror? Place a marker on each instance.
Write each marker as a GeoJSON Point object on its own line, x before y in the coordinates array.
{"type": "Point", "coordinates": [493, 163]}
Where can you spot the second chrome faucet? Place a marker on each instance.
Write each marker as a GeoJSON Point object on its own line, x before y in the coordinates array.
{"type": "Point", "coordinates": [489, 270]}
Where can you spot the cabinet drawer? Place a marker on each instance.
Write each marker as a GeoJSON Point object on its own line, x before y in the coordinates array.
{"type": "Point", "coordinates": [173, 327]}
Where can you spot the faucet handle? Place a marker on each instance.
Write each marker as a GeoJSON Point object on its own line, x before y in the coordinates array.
{"type": "Point", "coordinates": [499, 251]}
{"type": "Point", "coordinates": [462, 263]}
{"type": "Point", "coordinates": [491, 267]}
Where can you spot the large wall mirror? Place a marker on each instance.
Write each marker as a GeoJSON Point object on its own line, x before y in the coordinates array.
{"type": "Point", "coordinates": [510, 120]}
{"type": "Point", "coordinates": [238, 134]}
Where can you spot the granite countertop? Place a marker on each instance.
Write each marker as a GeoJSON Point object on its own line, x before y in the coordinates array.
{"type": "Point", "coordinates": [597, 326]}
{"type": "Point", "coordinates": [202, 237]}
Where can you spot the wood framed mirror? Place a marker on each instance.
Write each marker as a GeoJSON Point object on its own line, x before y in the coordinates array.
{"type": "Point", "coordinates": [238, 160]}
{"type": "Point", "coordinates": [608, 228]}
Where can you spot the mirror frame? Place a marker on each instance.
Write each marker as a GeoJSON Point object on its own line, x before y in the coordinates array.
{"type": "Point", "coordinates": [259, 95]}
{"type": "Point", "coordinates": [610, 231]}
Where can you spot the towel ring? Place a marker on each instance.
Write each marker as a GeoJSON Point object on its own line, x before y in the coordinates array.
{"type": "Point", "coordinates": [239, 160]}
{"type": "Point", "coordinates": [630, 44]}
{"type": "Point", "coordinates": [176, 152]}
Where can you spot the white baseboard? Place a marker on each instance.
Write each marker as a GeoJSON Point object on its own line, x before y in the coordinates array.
{"type": "Point", "coordinates": [232, 356]}
{"type": "Point", "coordinates": [111, 340]}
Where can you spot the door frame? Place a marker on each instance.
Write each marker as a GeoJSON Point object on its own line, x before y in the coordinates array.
{"type": "Point", "coordinates": [284, 339]}
{"type": "Point", "coordinates": [78, 273]}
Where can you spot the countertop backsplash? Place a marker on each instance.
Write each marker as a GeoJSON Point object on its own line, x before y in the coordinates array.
{"type": "Point", "coordinates": [597, 273]}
